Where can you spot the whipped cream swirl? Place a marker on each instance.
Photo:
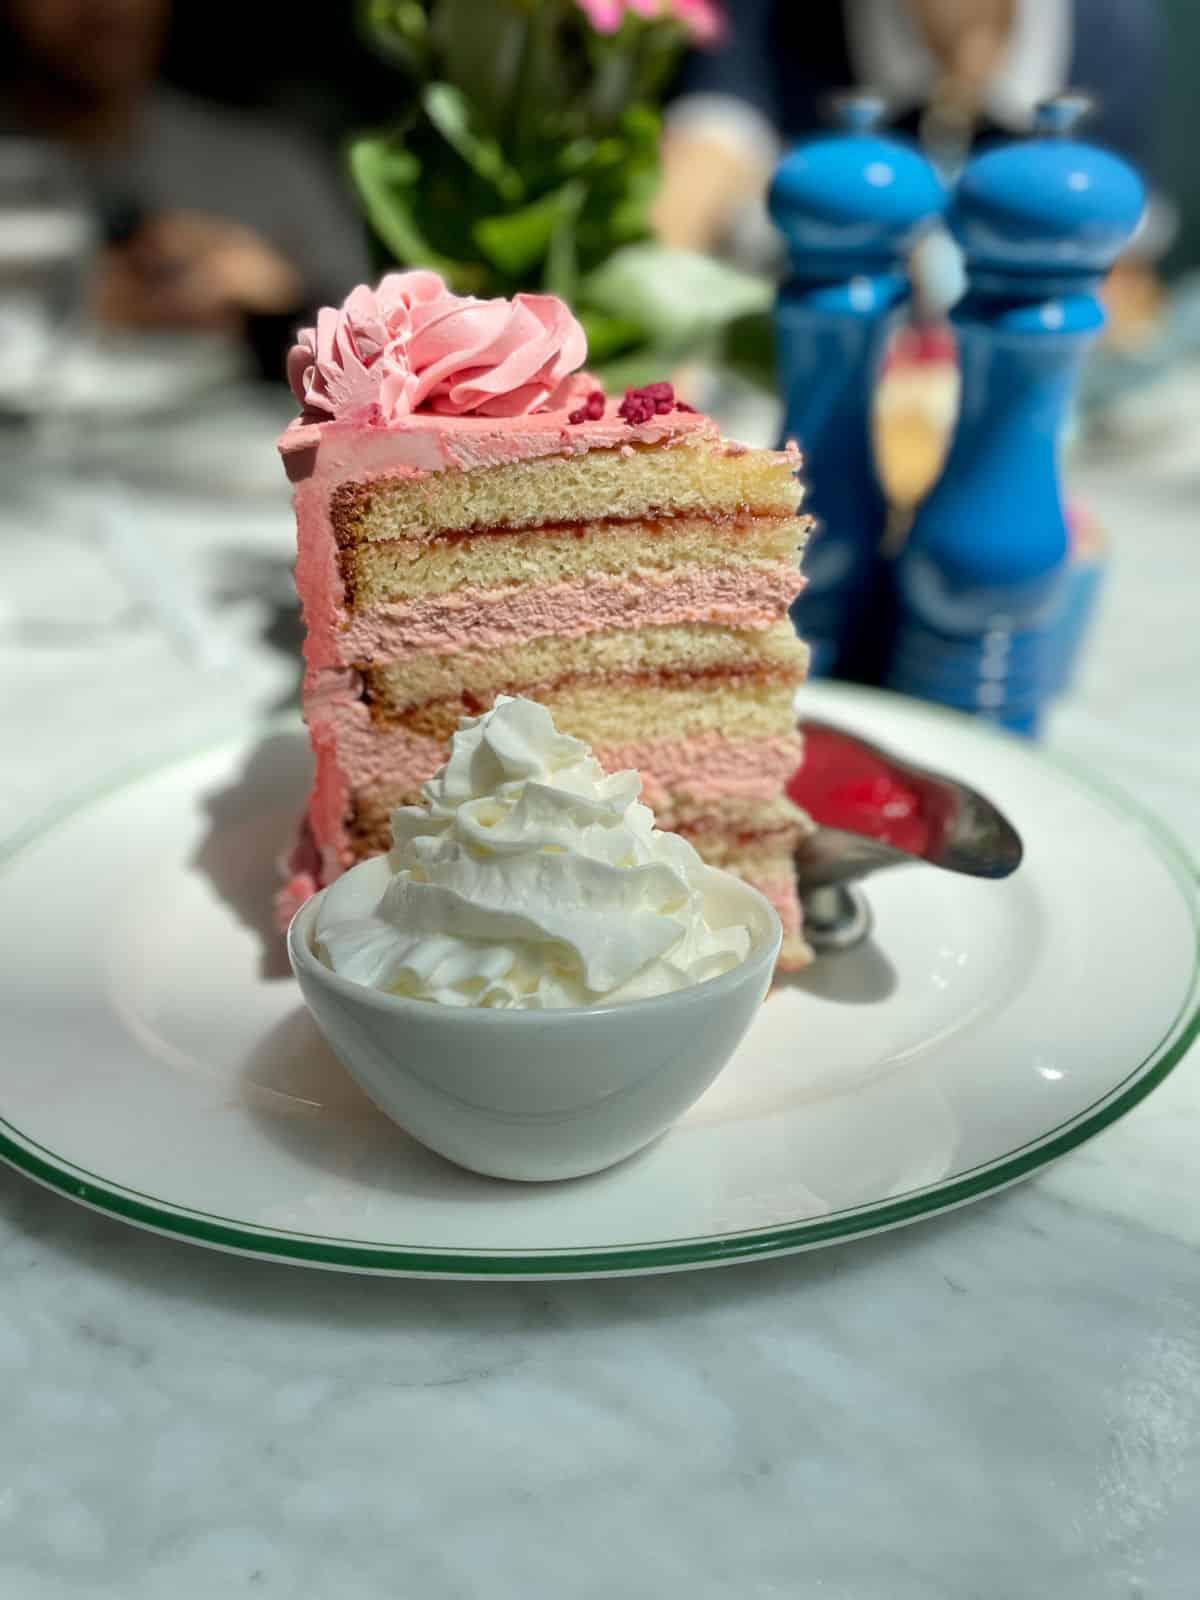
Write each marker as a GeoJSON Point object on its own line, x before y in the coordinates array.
{"type": "Point", "coordinates": [411, 344]}
{"type": "Point", "coordinates": [528, 878]}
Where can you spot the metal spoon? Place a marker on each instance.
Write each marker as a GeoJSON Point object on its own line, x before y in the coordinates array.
{"type": "Point", "coordinates": [964, 832]}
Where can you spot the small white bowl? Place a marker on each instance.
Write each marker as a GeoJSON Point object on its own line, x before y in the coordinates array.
{"type": "Point", "coordinates": [539, 1095]}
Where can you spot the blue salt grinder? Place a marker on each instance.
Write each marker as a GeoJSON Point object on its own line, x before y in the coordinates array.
{"type": "Point", "coordinates": [981, 581]}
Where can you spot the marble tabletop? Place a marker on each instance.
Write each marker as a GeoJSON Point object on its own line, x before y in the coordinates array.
{"type": "Point", "coordinates": [1000, 1404]}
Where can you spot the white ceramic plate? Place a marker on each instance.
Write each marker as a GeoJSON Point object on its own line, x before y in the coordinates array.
{"type": "Point", "coordinates": [158, 1065]}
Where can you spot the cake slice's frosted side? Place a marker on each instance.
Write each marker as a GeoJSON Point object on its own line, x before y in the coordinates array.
{"type": "Point", "coordinates": [636, 579]}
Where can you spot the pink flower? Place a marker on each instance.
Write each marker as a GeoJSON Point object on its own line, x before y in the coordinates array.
{"type": "Point", "coordinates": [701, 18]}
{"type": "Point", "coordinates": [411, 344]}
{"type": "Point", "coordinates": [605, 16]}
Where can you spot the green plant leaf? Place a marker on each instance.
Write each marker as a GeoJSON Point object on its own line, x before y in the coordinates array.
{"type": "Point", "coordinates": [641, 125]}
{"type": "Point", "coordinates": [629, 217]}
{"type": "Point", "coordinates": [449, 111]}
{"type": "Point", "coordinates": [541, 103]}
{"type": "Point", "coordinates": [518, 241]}
{"type": "Point", "coordinates": [576, 154]}
{"type": "Point", "coordinates": [682, 299]}
{"type": "Point", "coordinates": [561, 276]}
{"type": "Point", "coordinates": [480, 46]}
{"type": "Point", "coordinates": [608, 337]}
{"type": "Point", "coordinates": [659, 48]}
{"type": "Point", "coordinates": [397, 30]}
{"type": "Point", "coordinates": [387, 186]}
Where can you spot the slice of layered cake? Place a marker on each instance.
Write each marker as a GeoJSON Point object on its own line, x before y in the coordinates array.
{"type": "Point", "coordinates": [475, 517]}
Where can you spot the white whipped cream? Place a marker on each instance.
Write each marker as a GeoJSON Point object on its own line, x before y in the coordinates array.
{"type": "Point", "coordinates": [528, 878]}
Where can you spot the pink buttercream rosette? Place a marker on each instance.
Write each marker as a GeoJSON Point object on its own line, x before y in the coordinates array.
{"type": "Point", "coordinates": [410, 344]}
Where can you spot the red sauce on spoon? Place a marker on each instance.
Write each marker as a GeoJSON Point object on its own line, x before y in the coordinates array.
{"type": "Point", "coordinates": [843, 786]}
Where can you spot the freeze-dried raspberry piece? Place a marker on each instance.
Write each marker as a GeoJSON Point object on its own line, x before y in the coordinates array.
{"type": "Point", "coordinates": [655, 399]}
{"type": "Point", "coordinates": [591, 410]}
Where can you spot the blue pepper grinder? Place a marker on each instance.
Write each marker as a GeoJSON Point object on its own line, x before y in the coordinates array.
{"type": "Point", "coordinates": [848, 203]}
{"type": "Point", "coordinates": [981, 579]}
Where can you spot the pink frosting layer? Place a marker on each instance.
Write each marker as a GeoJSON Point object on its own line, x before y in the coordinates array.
{"type": "Point", "coordinates": [337, 722]}
{"type": "Point", "coordinates": [472, 618]}
{"type": "Point", "coordinates": [301, 873]}
{"type": "Point", "coordinates": [706, 769]}
{"type": "Point", "coordinates": [427, 443]}
{"type": "Point", "coordinates": [781, 892]}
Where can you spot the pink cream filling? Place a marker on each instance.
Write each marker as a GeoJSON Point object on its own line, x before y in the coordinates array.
{"type": "Point", "coordinates": [474, 618]}
{"type": "Point", "coordinates": [701, 769]}
{"type": "Point", "coordinates": [706, 768]}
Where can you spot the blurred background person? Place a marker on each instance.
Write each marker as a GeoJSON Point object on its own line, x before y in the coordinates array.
{"type": "Point", "coordinates": [955, 72]}
{"type": "Point", "coordinates": [211, 217]}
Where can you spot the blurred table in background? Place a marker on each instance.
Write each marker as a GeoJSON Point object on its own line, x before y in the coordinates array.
{"type": "Point", "coordinates": [1003, 1402]}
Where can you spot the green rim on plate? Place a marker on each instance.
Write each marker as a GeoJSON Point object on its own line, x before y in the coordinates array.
{"type": "Point", "coordinates": [148, 1211]}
